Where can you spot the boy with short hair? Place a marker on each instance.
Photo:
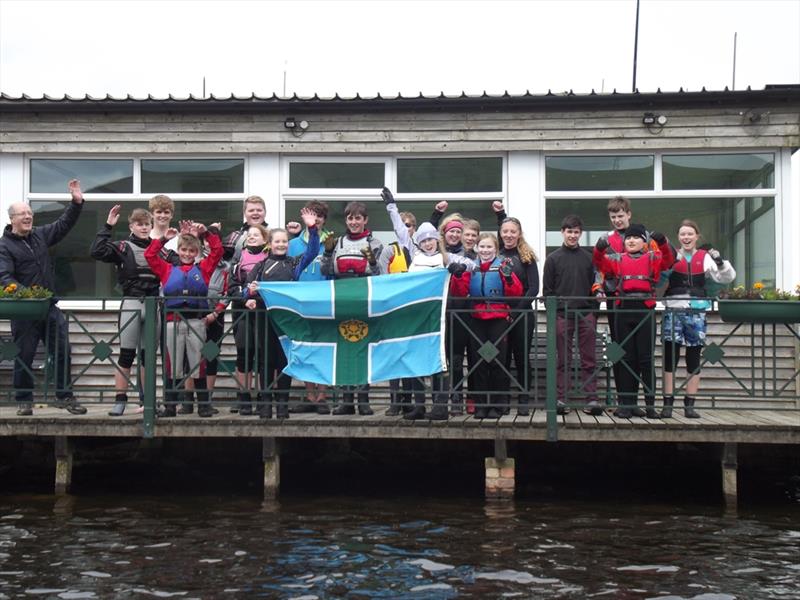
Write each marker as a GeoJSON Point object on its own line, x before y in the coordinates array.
{"type": "Point", "coordinates": [185, 288]}
{"type": "Point", "coordinates": [137, 280]}
{"type": "Point", "coordinates": [254, 212]}
{"type": "Point", "coordinates": [354, 254]}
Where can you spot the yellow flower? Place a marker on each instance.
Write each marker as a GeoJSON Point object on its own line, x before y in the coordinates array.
{"type": "Point", "coordinates": [758, 286]}
{"type": "Point", "coordinates": [11, 288]}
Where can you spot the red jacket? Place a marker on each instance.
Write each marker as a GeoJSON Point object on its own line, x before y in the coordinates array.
{"type": "Point", "coordinates": [612, 266]}
{"type": "Point", "coordinates": [459, 286]}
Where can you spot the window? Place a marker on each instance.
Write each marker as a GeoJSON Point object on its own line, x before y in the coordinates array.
{"type": "Point", "coordinates": [449, 175]}
{"type": "Point", "coordinates": [719, 171]}
{"type": "Point", "coordinates": [584, 173]}
{"type": "Point", "coordinates": [327, 175]}
{"type": "Point", "coordinates": [193, 176]}
{"type": "Point", "coordinates": [98, 176]}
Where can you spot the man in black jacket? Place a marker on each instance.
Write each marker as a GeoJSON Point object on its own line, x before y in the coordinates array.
{"type": "Point", "coordinates": [569, 274]}
{"type": "Point", "coordinates": [25, 261]}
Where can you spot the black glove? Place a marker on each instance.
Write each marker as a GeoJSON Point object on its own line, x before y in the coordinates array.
{"type": "Point", "coordinates": [506, 270]}
{"type": "Point", "coordinates": [369, 255]}
{"type": "Point", "coordinates": [386, 196]}
{"type": "Point", "coordinates": [715, 255]}
{"type": "Point", "coordinates": [602, 244]}
{"type": "Point", "coordinates": [456, 269]}
{"type": "Point", "coordinates": [330, 244]}
{"type": "Point", "coordinates": [659, 238]}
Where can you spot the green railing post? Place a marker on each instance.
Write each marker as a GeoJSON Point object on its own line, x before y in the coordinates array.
{"type": "Point", "coordinates": [551, 306]}
{"type": "Point", "coordinates": [150, 352]}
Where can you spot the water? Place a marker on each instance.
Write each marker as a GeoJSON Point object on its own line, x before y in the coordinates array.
{"type": "Point", "coordinates": [331, 546]}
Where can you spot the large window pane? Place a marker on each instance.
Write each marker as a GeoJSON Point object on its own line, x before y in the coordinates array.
{"type": "Point", "coordinates": [449, 175]}
{"type": "Point", "coordinates": [193, 176]}
{"type": "Point", "coordinates": [337, 175]}
{"type": "Point", "coordinates": [719, 172]}
{"type": "Point", "coordinates": [379, 219]}
{"type": "Point", "coordinates": [597, 173]}
{"type": "Point", "coordinates": [79, 275]}
{"type": "Point", "coordinates": [748, 239]}
{"type": "Point", "coordinates": [96, 176]}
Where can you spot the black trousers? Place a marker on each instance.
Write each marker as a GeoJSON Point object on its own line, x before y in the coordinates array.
{"type": "Point", "coordinates": [491, 379]}
{"type": "Point", "coordinates": [635, 330]}
{"type": "Point", "coordinates": [27, 334]}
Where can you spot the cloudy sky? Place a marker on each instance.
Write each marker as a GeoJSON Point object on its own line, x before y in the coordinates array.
{"type": "Point", "coordinates": [160, 48]}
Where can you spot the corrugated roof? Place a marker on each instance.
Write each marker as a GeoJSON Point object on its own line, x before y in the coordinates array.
{"type": "Point", "coordinates": [485, 101]}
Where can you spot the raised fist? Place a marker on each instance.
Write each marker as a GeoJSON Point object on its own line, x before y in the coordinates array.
{"type": "Point", "coordinates": [715, 255]}
{"type": "Point", "coordinates": [602, 244]}
{"type": "Point", "coordinates": [497, 206]}
{"type": "Point", "coordinates": [386, 196]}
{"type": "Point", "coordinates": [659, 238]}
{"type": "Point", "coordinates": [441, 206]}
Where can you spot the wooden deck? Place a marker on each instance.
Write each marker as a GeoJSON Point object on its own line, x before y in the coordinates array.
{"type": "Point", "coordinates": [715, 426]}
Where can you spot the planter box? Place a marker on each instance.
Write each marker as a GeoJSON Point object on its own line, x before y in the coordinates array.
{"type": "Point", "coordinates": [759, 311]}
{"type": "Point", "coordinates": [29, 309]}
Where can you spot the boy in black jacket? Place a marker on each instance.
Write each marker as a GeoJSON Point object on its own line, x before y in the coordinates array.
{"type": "Point", "coordinates": [137, 281]}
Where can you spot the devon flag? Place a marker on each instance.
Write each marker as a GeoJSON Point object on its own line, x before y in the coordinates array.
{"type": "Point", "coordinates": [363, 329]}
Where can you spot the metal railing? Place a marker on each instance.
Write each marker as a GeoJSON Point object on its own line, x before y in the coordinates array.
{"type": "Point", "coordinates": [746, 366]}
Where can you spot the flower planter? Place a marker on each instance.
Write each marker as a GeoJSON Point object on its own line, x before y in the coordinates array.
{"type": "Point", "coordinates": [759, 311]}
{"type": "Point", "coordinates": [27, 309]}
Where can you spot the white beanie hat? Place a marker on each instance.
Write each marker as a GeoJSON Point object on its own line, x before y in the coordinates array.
{"type": "Point", "coordinates": [426, 231]}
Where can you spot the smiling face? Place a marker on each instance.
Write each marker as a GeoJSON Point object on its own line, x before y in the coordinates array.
{"type": "Point", "coordinates": [572, 236]}
{"type": "Point", "coordinates": [255, 237]}
{"type": "Point", "coordinates": [487, 249]}
{"type": "Point", "coordinates": [188, 254]}
{"type": "Point", "coordinates": [162, 218]}
{"type": "Point", "coordinates": [279, 242]}
{"type": "Point", "coordinates": [429, 246]}
{"type": "Point", "coordinates": [510, 233]}
{"type": "Point", "coordinates": [620, 219]}
{"type": "Point", "coordinates": [452, 237]}
{"type": "Point", "coordinates": [21, 217]}
{"type": "Point", "coordinates": [355, 223]}
{"type": "Point", "coordinates": [688, 237]}
{"type": "Point", "coordinates": [469, 238]}
{"type": "Point", "coordinates": [254, 213]}
{"type": "Point", "coordinates": [141, 229]}
{"type": "Point", "coordinates": [634, 244]}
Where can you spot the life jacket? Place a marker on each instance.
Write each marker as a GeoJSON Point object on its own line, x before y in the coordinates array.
{"type": "Point", "coordinates": [616, 242]}
{"type": "Point", "coordinates": [637, 274]}
{"type": "Point", "coordinates": [247, 262]}
{"type": "Point", "coordinates": [487, 283]}
{"type": "Point", "coordinates": [424, 261]}
{"type": "Point", "coordinates": [134, 274]}
{"type": "Point", "coordinates": [400, 261]}
{"type": "Point", "coordinates": [277, 269]}
{"type": "Point", "coordinates": [188, 288]}
{"type": "Point", "coordinates": [217, 285]}
{"type": "Point", "coordinates": [349, 261]}
{"type": "Point", "coordinates": [688, 277]}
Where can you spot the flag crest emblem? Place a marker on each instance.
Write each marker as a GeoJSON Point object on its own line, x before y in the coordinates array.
{"type": "Point", "coordinates": [353, 330]}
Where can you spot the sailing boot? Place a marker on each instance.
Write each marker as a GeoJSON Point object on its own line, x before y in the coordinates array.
{"type": "Point", "coordinates": [264, 405]}
{"type": "Point", "coordinates": [666, 412]}
{"type": "Point", "coordinates": [245, 404]}
{"type": "Point", "coordinates": [346, 406]}
{"type": "Point", "coordinates": [187, 406]}
{"type": "Point", "coordinates": [170, 399]}
{"type": "Point", "coordinates": [439, 410]}
{"type": "Point", "coordinates": [688, 408]}
{"type": "Point", "coordinates": [394, 398]}
{"type": "Point", "coordinates": [363, 404]}
{"type": "Point", "coordinates": [281, 405]}
{"type": "Point", "coordinates": [650, 410]}
{"type": "Point", "coordinates": [522, 405]}
{"type": "Point", "coordinates": [120, 400]}
{"type": "Point", "coordinates": [203, 398]}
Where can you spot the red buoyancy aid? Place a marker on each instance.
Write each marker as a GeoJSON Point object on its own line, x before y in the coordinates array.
{"type": "Point", "coordinates": [616, 242]}
{"type": "Point", "coordinates": [688, 277]}
{"type": "Point", "coordinates": [637, 274]}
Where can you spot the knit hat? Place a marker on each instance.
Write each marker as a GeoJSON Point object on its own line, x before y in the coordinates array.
{"type": "Point", "coordinates": [426, 231]}
{"type": "Point", "coordinates": [636, 230]}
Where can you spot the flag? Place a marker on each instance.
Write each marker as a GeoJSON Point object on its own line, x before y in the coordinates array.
{"type": "Point", "coordinates": [363, 329]}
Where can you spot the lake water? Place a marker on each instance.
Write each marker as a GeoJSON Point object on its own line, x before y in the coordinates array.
{"type": "Point", "coordinates": [233, 545]}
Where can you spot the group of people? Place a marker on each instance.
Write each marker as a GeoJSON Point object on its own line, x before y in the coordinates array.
{"type": "Point", "coordinates": [494, 281]}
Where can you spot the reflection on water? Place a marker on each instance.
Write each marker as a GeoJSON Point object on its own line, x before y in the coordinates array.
{"type": "Point", "coordinates": [335, 547]}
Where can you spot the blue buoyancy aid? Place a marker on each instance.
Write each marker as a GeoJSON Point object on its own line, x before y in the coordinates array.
{"type": "Point", "coordinates": [186, 289]}
{"type": "Point", "coordinates": [488, 283]}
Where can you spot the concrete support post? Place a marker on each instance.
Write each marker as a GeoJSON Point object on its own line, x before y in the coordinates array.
{"type": "Point", "coordinates": [730, 465]}
{"type": "Point", "coordinates": [499, 472]}
{"type": "Point", "coordinates": [63, 452]}
{"type": "Point", "coordinates": [272, 468]}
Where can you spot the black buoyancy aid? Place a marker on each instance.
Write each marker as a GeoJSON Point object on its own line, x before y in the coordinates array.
{"type": "Point", "coordinates": [688, 277]}
{"type": "Point", "coordinates": [134, 274]}
{"type": "Point", "coordinates": [637, 274]}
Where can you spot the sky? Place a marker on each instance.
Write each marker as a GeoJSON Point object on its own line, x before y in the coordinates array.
{"type": "Point", "coordinates": [386, 47]}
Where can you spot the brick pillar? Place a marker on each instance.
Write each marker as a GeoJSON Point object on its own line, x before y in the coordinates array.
{"type": "Point", "coordinates": [499, 477]}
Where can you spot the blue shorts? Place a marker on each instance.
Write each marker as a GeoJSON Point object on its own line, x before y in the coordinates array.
{"type": "Point", "coordinates": [684, 328]}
